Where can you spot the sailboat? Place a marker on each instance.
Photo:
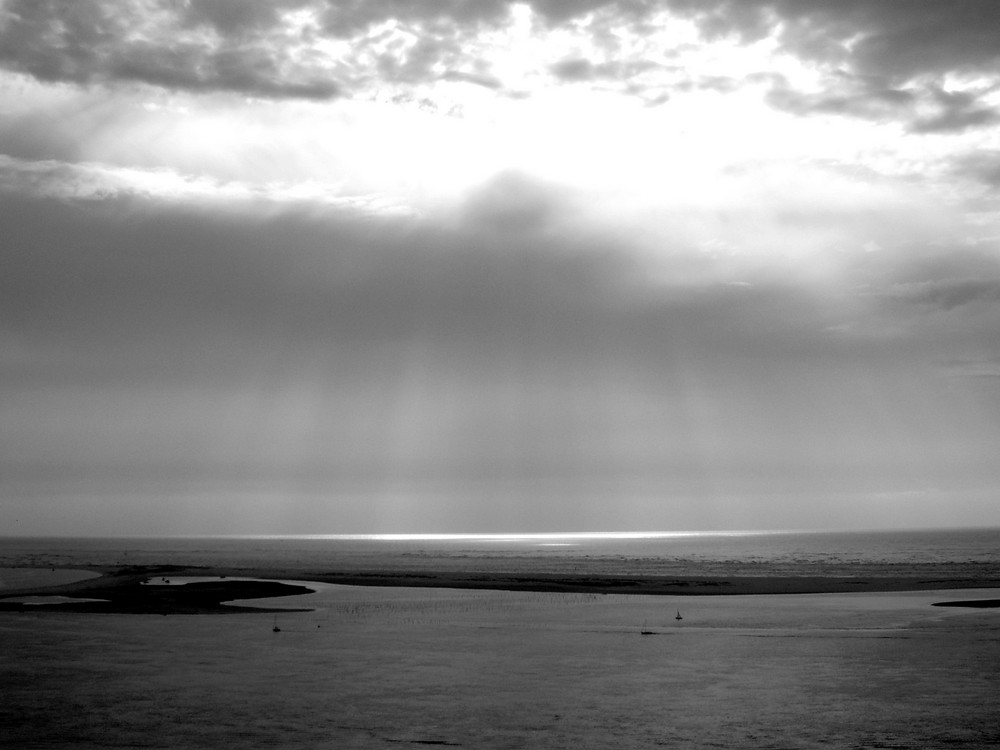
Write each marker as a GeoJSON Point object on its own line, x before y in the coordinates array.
{"type": "Point", "coordinates": [678, 617]}
{"type": "Point", "coordinates": [275, 629]}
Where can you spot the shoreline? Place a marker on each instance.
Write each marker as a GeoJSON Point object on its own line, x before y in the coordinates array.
{"type": "Point", "coordinates": [123, 590]}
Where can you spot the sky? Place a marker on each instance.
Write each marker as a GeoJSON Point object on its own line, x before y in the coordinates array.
{"type": "Point", "coordinates": [429, 266]}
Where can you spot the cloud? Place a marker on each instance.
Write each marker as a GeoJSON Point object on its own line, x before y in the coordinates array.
{"type": "Point", "coordinates": [345, 20]}
{"type": "Point", "coordinates": [575, 69]}
{"type": "Point", "coordinates": [941, 299]}
{"type": "Point", "coordinates": [282, 49]}
{"type": "Point", "coordinates": [954, 111]}
{"type": "Point", "coordinates": [917, 61]}
{"type": "Point", "coordinates": [478, 79]}
{"type": "Point", "coordinates": [321, 50]}
{"type": "Point", "coordinates": [948, 294]}
{"type": "Point", "coordinates": [580, 69]}
{"type": "Point", "coordinates": [916, 37]}
{"type": "Point", "coordinates": [900, 40]}
{"type": "Point", "coordinates": [160, 316]}
{"type": "Point", "coordinates": [982, 165]}
{"type": "Point", "coordinates": [853, 97]}
{"type": "Point", "coordinates": [212, 46]}
{"type": "Point", "coordinates": [141, 264]}
{"type": "Point", "coordinates": [515, 279]}
{"type": "Point", "coordinates": [507, 346]}
{"type": "Point", "coordinates": [231, 18]}
{"type": "Point", "coordinates": [987, 369]}
{"type": "Point", "coordinates": [212, 270]}
{"type": "Point", "coordinates": [517, 272]}
{"type": "Point", "coordinates": [924, 109]}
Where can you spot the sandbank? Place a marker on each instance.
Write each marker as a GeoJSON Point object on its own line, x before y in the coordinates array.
{"type": "Point", "coordinates": [12, 579]}
{"type": "Point", "coordinates": [133, 589]}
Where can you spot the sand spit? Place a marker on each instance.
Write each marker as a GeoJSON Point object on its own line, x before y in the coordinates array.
{"type": "Point", "coordinates": [972, 604]}
{"type": "Point", "coordinates": [647, 585]}
{"type": "Point", "coordinates": [135, 589]}
{"type": "Point", "coordinates": [131, 592]}
{"type": "Point", "coordinates": [16, 579]}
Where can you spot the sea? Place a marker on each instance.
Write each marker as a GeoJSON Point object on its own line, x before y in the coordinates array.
{"type": "Point", "coordinates": [956, 553]}
{"type": "Point", "coordinates": [384, 667]}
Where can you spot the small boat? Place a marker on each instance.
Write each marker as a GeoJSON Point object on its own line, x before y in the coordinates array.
{"type": "Point", "coordinates": [275, 629]}
{"type": "Point", "coordinates": [678, 617]}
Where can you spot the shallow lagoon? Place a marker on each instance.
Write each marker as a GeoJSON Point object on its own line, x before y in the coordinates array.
{"type": "Point", "coordinates": [383, 667]}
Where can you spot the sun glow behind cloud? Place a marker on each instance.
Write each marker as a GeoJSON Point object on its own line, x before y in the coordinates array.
{"type": "Point", "coordinates": [568, 105]}
{"type": "Point", "coordinates": [447, 133]}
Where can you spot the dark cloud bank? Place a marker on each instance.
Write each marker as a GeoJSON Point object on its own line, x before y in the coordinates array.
{"type": "Point", "coordinates": [150, 343]}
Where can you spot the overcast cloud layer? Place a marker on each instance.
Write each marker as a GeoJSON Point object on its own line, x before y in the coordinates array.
{"type": "Point", "coordinates": [320, 267]}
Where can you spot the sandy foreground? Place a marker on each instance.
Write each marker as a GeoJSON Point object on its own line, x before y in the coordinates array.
{"type": "Point", "coordinates": [388, 666]}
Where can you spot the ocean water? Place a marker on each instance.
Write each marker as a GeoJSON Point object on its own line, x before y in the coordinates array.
{"type": "Point", "coordinates": [395, 667]}
{"type": "Point", "coordinates": [961, 553]}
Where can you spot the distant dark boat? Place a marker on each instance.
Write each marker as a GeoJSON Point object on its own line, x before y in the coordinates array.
{"type": "Point", "coordinates": [678, 617]}
{"type": "Point", "coordinates": [275, 629]}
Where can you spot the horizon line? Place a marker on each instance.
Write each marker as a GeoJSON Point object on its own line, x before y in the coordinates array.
{"type": "Point", "coordinates": [508, 536]}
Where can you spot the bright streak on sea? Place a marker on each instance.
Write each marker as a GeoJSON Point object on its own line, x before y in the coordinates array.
{"type": "Point", "coordinates": [528, 537]}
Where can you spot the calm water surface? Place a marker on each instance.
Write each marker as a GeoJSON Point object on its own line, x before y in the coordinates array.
{"type": "Point", "coordinates": [962, 552]}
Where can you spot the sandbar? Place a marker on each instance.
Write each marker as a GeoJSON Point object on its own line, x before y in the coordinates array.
{"type": "Point", "coordinates": [133, 589]}
{"type": "Point", "coordinates": [12, 579]}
